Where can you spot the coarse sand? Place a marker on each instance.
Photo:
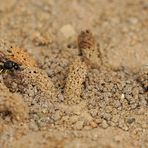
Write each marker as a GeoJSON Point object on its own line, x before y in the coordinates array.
{"type": "Point", "coordinates": [83, 77]}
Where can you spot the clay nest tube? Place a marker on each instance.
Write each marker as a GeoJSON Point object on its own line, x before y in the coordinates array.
{"type": "Point", "coordinates": [74, 81]}
{"type": "Point", "coordinates": [29, 74]}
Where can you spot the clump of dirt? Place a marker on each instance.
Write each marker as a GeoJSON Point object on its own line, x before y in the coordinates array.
{"type": "Point", "coordinates": [143, 77]}
{"type": "Point", "coordinates": [74, 88]}
{"type": "Point", "coordinates": [12, 104]}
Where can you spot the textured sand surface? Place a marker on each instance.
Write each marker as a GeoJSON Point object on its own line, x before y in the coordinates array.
{"type": "Point", "coordinates": [84, 73]}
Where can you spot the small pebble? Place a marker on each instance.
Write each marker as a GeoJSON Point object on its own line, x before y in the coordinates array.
{"type": "Point", "coordinates": [79, 125]}
{"type": "Point", "coordinates": [68, 31]}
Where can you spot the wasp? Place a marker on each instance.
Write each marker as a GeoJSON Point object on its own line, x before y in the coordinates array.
{"type": "Point", "coordinates": [7, 65]}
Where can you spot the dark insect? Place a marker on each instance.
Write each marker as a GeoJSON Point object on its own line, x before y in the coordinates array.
{"type": "Point", "coordinates": [9, 65]}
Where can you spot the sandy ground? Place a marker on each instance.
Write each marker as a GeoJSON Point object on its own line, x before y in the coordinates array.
{"type": "Point", "coordinates": [87, 93]}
